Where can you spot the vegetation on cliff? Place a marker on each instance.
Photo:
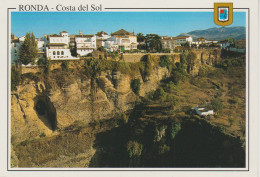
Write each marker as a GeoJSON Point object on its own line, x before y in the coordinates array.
{"type": "Point", "coordinates": [160, 130]}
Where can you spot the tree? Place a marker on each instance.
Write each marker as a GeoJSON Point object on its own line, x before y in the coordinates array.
{"type": "Point", "coordinates": [28, 51]}
{"type": "Point", "coordinates": [135, 85]}
{"type": "Point", "coordinates": [15, 77]}
{"type": "Point", "coordinates": [159, 94]}
{"type": "Point", "coordinates": [73, 51]}
{"type": "Point", "coordinates": [230, 40]}
{"type": "Point", "coordinates": [48, 66]}
{"type": "Point", "coordinates": [191, 57]}
{"type": "Point", "coordinates": [65, 65]}
{"type": "Point", "coordinates": [165, 61]}
{"type": "Point", "coordinates": [153, 42]}
{"type": "Point", "coordinates": [186, 45]}
{"type": "Point", "coordinates": [140, 37]}
{"type": "Point", "coordinates": [179, 73]}
{"type": "Point", "coordinates": [101, 49]}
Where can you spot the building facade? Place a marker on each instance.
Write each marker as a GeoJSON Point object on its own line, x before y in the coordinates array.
{"type": "Point", "coordinates": [121, 40]}
{"type": "Point", "coordinates": [85, 44]}
{"type": "Point", "coordinates": [168, 42]}
{"type": "Point", "coordinates": [178, 41]}
{"type": "Point", "coordinates": [58, 47]}
{"type": "Point", "coordinates": [101, 38]}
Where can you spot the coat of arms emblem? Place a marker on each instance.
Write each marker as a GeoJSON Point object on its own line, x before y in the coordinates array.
{"type": "Point", "coordinates": [223, 13]}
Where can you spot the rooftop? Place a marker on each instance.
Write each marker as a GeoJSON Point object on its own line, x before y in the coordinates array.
{"type": "Point", "coordinates": [84, 35]}
{"type": "Point", "coordinates": [181, 37]}
{"type": "Point", "coordinates": [55, 35]}
{"type": "Point", "coordinates": [100, 33]}
{"type": "Point", "coordinates": [122, 32]}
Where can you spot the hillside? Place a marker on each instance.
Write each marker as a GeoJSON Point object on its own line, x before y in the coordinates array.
{"type": "Point", "coordinates": [95, 113]}
{"type": "Point", "coordinates": [238, 32]}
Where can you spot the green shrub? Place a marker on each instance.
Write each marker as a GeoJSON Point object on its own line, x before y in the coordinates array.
{"type": "Point", "coordinates": [174, 129]}
{"type": "Point", "coordinates": [165, 61]}
{"type": "Point", "coordinates": [41, 62]}
{"type": "Point", "coordinates": [179, 73]}
{"type": "Point", "coordinates": [101, 49]}
{"type": "Point", "coordinates": [135, 86]}
{"type": "Point", "coordinates": [216, 105]}
{"type": "Point", "coordinates": [203, 71]}
{"type": "Point", "coordinates": [134, 148]}
{"type": "Point", "coordinates": [65, 66]}
{"type": "Point", "coordinates": [15, 77]}
{"type": "Point", "coordinates": [42, 135]}
{"type": "Point", "coordinates": [48, 66]}
{"type": "Point", "coordinates": [163, 149]}
{"type": "Point", "coordinates": [146, 66]}
{"type": "Point", "coordinates": [170, 86]}
{"type": "Point", "coordinates": [159, 94]}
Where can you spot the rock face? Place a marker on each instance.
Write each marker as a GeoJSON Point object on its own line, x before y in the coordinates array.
{"type": "Point", "coordinates": [205, 57]}
{"type": "Point", "coordinates": [40, 108]}
{"type": "Point", "coordinates": [37, 111]}
{"type": "Point", "coordinates": [25, 122]}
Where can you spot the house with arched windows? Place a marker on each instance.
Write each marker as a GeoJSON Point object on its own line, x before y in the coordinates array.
{"type": "Point", "coordinates": [58, 47]}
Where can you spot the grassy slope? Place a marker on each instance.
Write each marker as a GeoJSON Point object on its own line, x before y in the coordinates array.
{"type": "Point", "coordinates": [229, 87]}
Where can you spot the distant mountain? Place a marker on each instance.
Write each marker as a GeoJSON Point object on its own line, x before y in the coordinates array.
{"type": "Point", "coordinates": [221, 33]}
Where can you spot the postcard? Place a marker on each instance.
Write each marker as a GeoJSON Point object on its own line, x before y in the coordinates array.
{"type": "Point", "coordinates": [128, 88]}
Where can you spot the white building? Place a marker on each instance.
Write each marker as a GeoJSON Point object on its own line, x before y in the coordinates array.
{"type": "Point", "coordinates": [225, 45]}
{"type": "Point", "coordinates": [182, 40]}
{"type": "Point", "coordinates": [102, 35]}
{"type": "Point", "coordinates": [203, 111]}
{"type": "Point", "coordinates": [101, 38]}
{"type": "Point", "coordinates": [58, 47]}
{"type": "Point", "coordinates": [121, 40]}
{"type": "Point", "coordinates": [15, 47]}
{"type": "Point", "coordinates": [111, 45]}
{"type": "Point", "coordinates": [85, 44]}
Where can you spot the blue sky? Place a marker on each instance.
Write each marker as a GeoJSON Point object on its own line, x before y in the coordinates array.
{"type": "Point", "coordinates": [162, 23]}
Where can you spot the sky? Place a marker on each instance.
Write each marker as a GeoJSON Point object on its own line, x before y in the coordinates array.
{"type": "Point", "coordinates": [161, 23]}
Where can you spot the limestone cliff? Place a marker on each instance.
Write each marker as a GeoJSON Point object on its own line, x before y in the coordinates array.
{"type": "Point", "coordinates": [205, 57]}
{"type": "Point", "coordinates": [42, 109]}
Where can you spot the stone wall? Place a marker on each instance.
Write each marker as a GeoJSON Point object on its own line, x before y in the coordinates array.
{"type": "Point", "coordinates": [138, 56]}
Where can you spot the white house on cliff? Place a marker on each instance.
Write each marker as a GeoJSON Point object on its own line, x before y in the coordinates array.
{"type": "Point", "coordinates": [85, 44]}
{"type": "Point", "coordinates": [58, 47]}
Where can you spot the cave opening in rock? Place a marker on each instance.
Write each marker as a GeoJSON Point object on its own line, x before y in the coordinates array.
{"type": "Point", "coordinates": [41, 107]}
{"type": "Point", "coordinates": [46, 112]}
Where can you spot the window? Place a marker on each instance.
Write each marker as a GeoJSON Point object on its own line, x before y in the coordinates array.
{"type": "Point", "coordinates": [15, 51]}
{"type": "Point", "coordinates": [58, 52]}
{"type": "Point", "coordinates": [54, 53]}
{"type": "Point", "coordinates": [62, 52]}
{"type": "Point", "coordinates": [14, 44]}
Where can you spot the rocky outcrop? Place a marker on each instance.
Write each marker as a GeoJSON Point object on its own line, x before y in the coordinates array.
{"type": "Point", "coordinates": [205, 57]}
{"type": "Point", "coordinates": [38, 109]}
